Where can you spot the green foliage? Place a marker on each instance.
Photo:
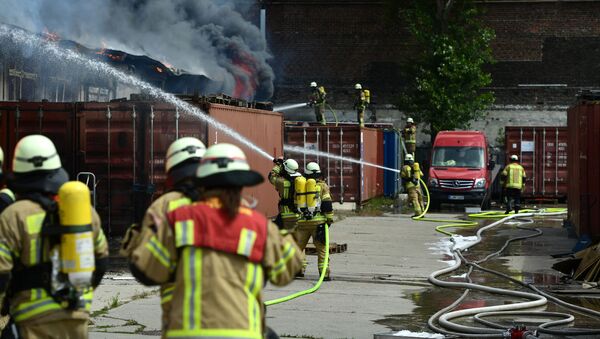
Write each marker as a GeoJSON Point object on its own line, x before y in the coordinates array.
{"type": "Point", "coordinates": [447, 77]}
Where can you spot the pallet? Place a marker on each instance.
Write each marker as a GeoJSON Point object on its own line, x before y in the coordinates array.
{"type": "Point", "coordinates": [333, 248]}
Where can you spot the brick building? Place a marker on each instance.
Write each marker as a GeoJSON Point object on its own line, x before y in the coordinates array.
{"type": "Point", "coordinates": [546, 50]}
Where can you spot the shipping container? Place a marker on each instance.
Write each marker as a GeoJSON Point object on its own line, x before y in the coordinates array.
{"type": "Point", "coordinates": [348, 181]}
{"type": "Point", "coordinates": [123, 145]}
{"type": "Point", "coordinates": [265, 130]}
{"type": "Point", "coordinates": [542, 152]}
{"type": "Point", "coordinates": [391, 159]}
{"type": "Point", "coordinates": [584, 164]}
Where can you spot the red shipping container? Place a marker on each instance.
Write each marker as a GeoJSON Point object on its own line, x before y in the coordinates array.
{"type": "Point", "coordinates": [124, 145]}
{"type": "Point", "coordinates": [348, 181]}
{"type": "Point", "coordinates": [542, 152]}
{"type": "Point", "coordinates": [584, 167]}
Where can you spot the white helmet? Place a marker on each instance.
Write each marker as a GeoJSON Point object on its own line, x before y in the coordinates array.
{"type": "Point", "coordinates": [409, 157]}
{"type": "Point", "coordinates": [1, 159]}
{"type": "Point", "coordinates": [312, 168]}
{"type": "Point", "coordinates": [514, 157]}
{"type": "Point", "coordinates": [313, 84]}
{"type": "Point", "coordinates": [34, 153]}
{"type": "Point", "coordinates": [225, 165]}
{"type": "Point", "coordinates": [357, 86]}
{"type": "Point", "coordinates": [410, 121]}
{"type": "Point", "coordinates": [183, 149]}
{"type": "Point", "coordinates": [291, 167]}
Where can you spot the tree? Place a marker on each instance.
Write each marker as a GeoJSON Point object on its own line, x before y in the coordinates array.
{"type": "Point", "coordinates": [447, 77]}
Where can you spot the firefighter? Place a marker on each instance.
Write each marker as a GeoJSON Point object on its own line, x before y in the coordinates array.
{"type": "Point", "coordinates": [317, 100]}
{"type": "Point", "coordinates": [29, 236]}
{"type": "Point", "coordinates": [219, 254]}
{"type": "Point", "coordinates": [182, 161]}
{"type": "Point", "coordinates": [360, 104]}
{"type": "Point", "coordinates": [409, 134]}
{"type": "Point", "coordinates": [513, 181]}
{"type": "Point", "coordinates": [283, 176]}
{"type": "Point", "coordinates": [7, 197]}
{"type": "Point", "coordinates": [317, 216]}
{"type": "Point", "coordinates": [410, 174]}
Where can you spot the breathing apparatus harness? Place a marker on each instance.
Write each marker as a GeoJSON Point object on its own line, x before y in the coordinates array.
{"type": "Point", "coordinates": [71, 268]}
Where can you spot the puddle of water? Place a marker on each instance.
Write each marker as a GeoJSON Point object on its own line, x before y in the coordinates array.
{"type": "Point", "coordinates": [533, 267]}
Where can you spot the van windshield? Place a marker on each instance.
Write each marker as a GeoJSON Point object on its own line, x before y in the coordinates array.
{"type": "Point", "coordinates": [471, 157]}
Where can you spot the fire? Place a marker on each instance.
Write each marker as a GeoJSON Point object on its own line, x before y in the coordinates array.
{"type": "Point", "coordinates": [50, 36]}
{"type": "Point", "coordinates": [105, 52]}
{"type": "Point", "coordinates": [245, 74]}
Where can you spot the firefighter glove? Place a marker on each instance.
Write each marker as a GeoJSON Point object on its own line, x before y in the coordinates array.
{"type": "Point", "coordinates": [320, 234]}
{"type": "Point", "coordinates": [415, 181]}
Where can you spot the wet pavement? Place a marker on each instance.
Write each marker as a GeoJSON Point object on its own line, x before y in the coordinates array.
{"type": "Point", "coordinates": [528, 260]}
{"type": "Point", "coordinates": [380, 283]}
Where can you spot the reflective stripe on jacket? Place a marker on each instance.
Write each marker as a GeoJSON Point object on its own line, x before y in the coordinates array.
{"type": "Point", "coordinates": [21, 244]}
{"type": "Point", "coordinates": [514, 175]}
{"type": "Point", "coordinates": [407, 174]}
{"type": "Point", "coordinates": [218, 294]}
{"type": "Point", "coordinates": [410, 134]}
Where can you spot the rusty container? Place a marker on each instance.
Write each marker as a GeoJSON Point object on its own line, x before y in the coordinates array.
{"type": "Point", "coordinates": [265, 130]}
{"type": "Point", "coordinates": [584, 165]}
{"type": "Point", "coordinates": [54, 120]}
{"type": "Point", "coordinates": [124, 145]}
{"type": "Point", "coordinates": [542, 152]}
{"type": "Point", "coordinates": [349, 181]}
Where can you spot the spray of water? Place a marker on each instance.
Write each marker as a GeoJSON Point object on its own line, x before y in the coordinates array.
{"type": "Point", "coordinates": [302, 150]}
{"type": "Point", "coordinates": [288, 107]}
{"type": "Point", "coordinates": [68, 56]}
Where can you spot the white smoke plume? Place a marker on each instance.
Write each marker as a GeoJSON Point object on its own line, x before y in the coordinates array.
{"type": "Point", "coordinates": [200, 36]}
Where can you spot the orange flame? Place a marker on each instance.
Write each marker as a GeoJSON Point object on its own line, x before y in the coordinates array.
{"type": "Point", "coordinates": [50, 36]}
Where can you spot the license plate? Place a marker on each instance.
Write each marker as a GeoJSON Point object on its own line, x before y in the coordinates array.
{"type": "Point", "coordinates": [456, 197]}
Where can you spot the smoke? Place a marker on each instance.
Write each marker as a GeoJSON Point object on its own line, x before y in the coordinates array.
{"type": "Point", "coordinates": [200, 36]}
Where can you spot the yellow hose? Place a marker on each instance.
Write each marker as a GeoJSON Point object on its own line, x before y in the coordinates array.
{"type": "Point", "coordinates": [316, 286]}
{"type": "Point", "coordinates": [453, 223]}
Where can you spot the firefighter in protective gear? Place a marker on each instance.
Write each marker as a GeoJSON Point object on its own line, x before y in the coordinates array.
{"type": "Point", "coordinates": [317, 100]}
{"type": "Point", "coordinates": [283, 177]}
{"type": "Point", "coordinates": [7, 197]}
{"type": "Point", "coordinates": [319, 214]}
{"type": "Point", "coordinates": [410, 174]}
{"type": "Point", "coordinates": [360, 104]}
{"type": "Point", "coordinates": [182, 161]}
{"type": "Point", "coordinates": [219, 254]}
{"type": "Point", "coordinates": [409, 134]}
{"type": "Point", "coordinates": [513, 181]}
{"type": "Point", "coordinates": [28, 232]}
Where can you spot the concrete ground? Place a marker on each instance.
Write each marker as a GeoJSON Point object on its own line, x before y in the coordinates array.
{"type": "Point", "coordinates": [387, 261]}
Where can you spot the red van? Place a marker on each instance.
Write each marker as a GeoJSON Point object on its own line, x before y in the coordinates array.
{"type": "Point", "coordinates": [460, 171]}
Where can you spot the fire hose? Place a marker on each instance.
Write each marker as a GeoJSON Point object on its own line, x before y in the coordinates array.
{"type": "Point", "coordinates": [539, 298]}
{"type": "Point", "coordinates": [316, 286]}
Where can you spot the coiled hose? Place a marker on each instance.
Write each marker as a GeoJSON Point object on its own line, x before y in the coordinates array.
{"type": "Point", "coordinates": [538, 299]}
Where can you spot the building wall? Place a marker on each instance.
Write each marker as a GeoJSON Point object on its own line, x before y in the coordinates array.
{"type": "Point", "coordinates": [338, 43]}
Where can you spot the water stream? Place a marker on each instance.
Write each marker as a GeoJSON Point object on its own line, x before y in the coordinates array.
{"type": "Point", "coordinates": [288, 107]}
{"type": "Point", "coordinates": [68, 56]}
{"type": "Point", "coordinates": [59, 54]}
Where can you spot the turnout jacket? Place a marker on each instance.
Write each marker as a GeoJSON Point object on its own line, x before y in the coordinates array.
{"type": "Point", "coordinates": [218, 268]}
{"type": "Point", "coordinates": [141, 256]}
{"type": "Point", "coordinates": [23, 246]}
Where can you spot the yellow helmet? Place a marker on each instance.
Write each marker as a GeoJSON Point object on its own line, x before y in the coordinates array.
{"type": "Point", "coordinates": [225, 165]}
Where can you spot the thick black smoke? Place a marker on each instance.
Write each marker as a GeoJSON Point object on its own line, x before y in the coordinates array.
{"type": "Point", "coordinates": [199, 36]}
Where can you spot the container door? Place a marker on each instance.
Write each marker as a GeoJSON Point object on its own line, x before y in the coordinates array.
{"type": "Point", "coordinates": [522, 142]}
{"type": "Point", "coordinates": [553, 167]}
